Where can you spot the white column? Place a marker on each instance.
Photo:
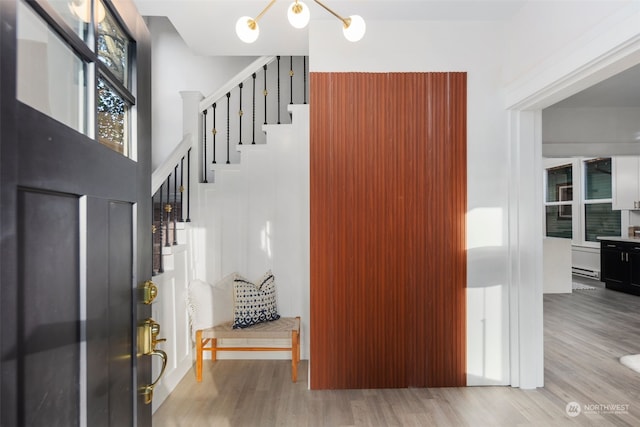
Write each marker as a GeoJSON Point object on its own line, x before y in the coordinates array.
{"type": "Point", "coordinates": [525, 250]}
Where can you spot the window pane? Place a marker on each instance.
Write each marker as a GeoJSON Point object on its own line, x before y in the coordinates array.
{"type": "Point", "coordinates": [112, 118]}
{"type": "Point", "coordinates": [113, 47]}
{"type": "Point", "coordinates": [600, 220]}
{"type": "Point", "coordinates": [50, 77]}
{"type": "Point", "coordinates": [76, 13]}
{"type": "Point", "coordinates": [559, 221]}
{"type": "Point", "coordinates": [560, 184]}
{"type": "Point", "coordinates": [598, 179]}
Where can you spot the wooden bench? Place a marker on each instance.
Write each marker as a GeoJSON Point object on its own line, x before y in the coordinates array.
{"type": "Point", "coordinates": [283, 328]}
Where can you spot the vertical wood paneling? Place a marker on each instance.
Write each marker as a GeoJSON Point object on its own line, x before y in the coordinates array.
{"type": "Point", "coordinates": [388, 205]}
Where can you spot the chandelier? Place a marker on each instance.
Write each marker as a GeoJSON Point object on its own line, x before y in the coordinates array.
{"type": "Point", "coordinates": [298, 14]}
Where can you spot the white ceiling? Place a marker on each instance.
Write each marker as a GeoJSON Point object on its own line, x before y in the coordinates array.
{"type": "Point", "coordinates": [621, 90]}
{"type": "Point", "coordinates": [208, 26]}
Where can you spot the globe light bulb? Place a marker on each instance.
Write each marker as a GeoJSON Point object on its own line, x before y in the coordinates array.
{"type": "Point", "coordinates": [81, 9]}
{"type": "Point", "coordinates": [247, 29]}
{"type": "Point", "coordinates": [356, 29]}
{"type": "Point", "coordinates": [298, 14]}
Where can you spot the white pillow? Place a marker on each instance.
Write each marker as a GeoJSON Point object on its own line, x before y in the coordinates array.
{"type": "Point", "coordinates": [208, 305]}
{"type": "Point", "coordinates": [223, 299]}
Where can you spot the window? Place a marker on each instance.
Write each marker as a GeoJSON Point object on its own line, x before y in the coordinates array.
{"type": "Point", "coordinates": [599, 219]}
{"type": "Point", "coordinates": [51, 77]}
{"type": "Point", "coordinates": [559, 201]}
{"type": "Point", "coordinates": [578, 205]}
{"type": "Point", "coordinates": [112, 118]}
{"type": "Point", "coordinates": [66, 73]}
{"type": "Point", "coordinates": [113, 48]}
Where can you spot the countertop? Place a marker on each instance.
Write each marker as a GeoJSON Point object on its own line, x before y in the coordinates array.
{"type": "Point", "coordinates": [619, 239]}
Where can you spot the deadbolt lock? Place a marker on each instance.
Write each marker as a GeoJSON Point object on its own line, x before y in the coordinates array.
{"type": "Point", "coordinates": [149, 292]}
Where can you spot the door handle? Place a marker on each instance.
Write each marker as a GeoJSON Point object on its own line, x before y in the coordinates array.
{"type": "Point", "coordinates": [147, 341]}
{"type": "Point", "coordinates": [148, 389]}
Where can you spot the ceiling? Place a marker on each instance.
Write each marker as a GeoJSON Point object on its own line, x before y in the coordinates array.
{"type": "Point", "coordinates": [621, 90]}
{"type": "Point", "coordinates": [208, 26]}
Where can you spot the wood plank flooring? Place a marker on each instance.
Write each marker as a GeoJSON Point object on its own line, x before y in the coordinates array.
{"type": "Point", "coordinates": [585, 334]}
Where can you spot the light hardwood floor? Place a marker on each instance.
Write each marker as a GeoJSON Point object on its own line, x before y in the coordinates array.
{"type": "Point", "coordinates": [585, 334]}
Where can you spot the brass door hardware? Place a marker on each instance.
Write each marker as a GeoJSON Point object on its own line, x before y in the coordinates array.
{"type": "Point", "coordinates": [149, 292]}
{"type": "Point", "coordinates": [147, 340]}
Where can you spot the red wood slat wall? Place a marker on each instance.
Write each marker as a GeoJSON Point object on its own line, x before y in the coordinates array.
{"type": "Point", "coordinates": [388, 247]}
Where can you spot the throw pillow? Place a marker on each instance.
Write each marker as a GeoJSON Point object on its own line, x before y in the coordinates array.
{"type": "Point", "coordinates": [254, 302]}
{"type": "Point", "coordinates": [208, 305]}
{"type": "Point", "coordinates": [223, 300]}
{"type": "Point", "coordinates": [200, 305]}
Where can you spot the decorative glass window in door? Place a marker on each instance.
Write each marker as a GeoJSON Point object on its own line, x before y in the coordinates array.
{"type": "Point", "coordinates": [114, 49]}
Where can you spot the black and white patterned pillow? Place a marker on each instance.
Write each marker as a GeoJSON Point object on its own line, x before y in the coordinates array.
{"type": "Point", "coordinates": [254, 302]}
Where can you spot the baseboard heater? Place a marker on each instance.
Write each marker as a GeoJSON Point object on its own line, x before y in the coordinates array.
{"type": "Point", "coordinates": [586, 272]}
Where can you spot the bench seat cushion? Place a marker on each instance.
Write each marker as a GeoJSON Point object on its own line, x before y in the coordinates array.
{"type": "Point", "coordinates": [275, 329]}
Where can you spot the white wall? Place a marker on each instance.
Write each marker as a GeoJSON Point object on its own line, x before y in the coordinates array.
{"type": "Point", "coordinates": [476, 48]}
{"type": "Point", "coordinates": [255, 217]}
{"type": "Point", "coordinates": [176, 69]}
{"type": "Point", "coordinates": [543, 31]}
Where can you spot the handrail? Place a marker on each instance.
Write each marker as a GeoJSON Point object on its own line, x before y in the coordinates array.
{"type": "Point", "coordinates": [235, 81]}
{"type": "Point", "coordinates": [160, 175]}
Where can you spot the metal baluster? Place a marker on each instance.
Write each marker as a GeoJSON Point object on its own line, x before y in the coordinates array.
{"type": "Point", "coordinates": [240, 113]}
{"type": "Point", "coordinates": [304, 77]}
{"type": "Point", "coordinates": [167, 209]}
{"type": "Point", "coordinates": [265, 92]}
{"type": "Point", "coordinates": [291, 80]}
{"type": "Point", "coordinates": [188, 184]}
{"type": "Point", "coordinates": [228, 118]}
{"type": "Point", "coordinates": [175, 204]}
{"type": "Point", "coordinates": [214, 131]}
{"type": "Point", "coordinates": [278, 58]}
{"type": "Point", "coordinates": [253, 118]}
{"type": "Point", "coordinates": [182, 189]}
{"type": "Point", "coordinates": [161, 206]}
{"type": "Point", "coordinates": [204, 168]}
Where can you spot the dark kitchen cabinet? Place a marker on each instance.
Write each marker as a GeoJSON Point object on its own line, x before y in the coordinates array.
{"type": "Point", "coordinates": [620, 265]}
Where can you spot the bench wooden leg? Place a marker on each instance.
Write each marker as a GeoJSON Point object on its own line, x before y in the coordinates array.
{"type": "Point", "coordinates": [199, 355]}
{"type": "Point", "coordinates": [214, 349]}
{"type": "Point", "coordinates": [295, 354]}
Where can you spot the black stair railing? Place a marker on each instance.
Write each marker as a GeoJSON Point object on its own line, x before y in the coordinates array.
{"type": "Point", "coordinates": [214, 132]}
{"type": "Point", "coordinates": [169, 209]}
{"type": "Point", "coordinates": [272, 109]}
{"type": "Point", "coordinates": [204, 133]}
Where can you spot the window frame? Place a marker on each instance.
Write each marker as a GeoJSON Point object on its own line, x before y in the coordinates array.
{"type": "Point", "coordinates": [95, 68]}
{"type": "Point", "coordinates": [584, 201]}
{"type": "Point", "coordinates": [578, 225]}
{"type": "Point", "coordinates": [560, 203]}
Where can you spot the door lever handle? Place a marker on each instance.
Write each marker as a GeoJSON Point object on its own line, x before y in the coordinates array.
{"type": "Point", "coordinates": [148, 389]}
{"type": "Point", "coordinates": [148, 340]}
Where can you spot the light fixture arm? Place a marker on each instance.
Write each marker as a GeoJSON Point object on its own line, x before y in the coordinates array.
{"type": "Point", "coordinates": [257, 18]}
{"type": "Point", "coordinates": [345, 21]}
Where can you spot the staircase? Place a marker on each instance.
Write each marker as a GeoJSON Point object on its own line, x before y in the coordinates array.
{"type": "Point", "coordinates": [248, 215]}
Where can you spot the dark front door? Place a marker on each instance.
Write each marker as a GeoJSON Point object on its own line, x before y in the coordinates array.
{"type": "Point", "coordinates": [75, 220]}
